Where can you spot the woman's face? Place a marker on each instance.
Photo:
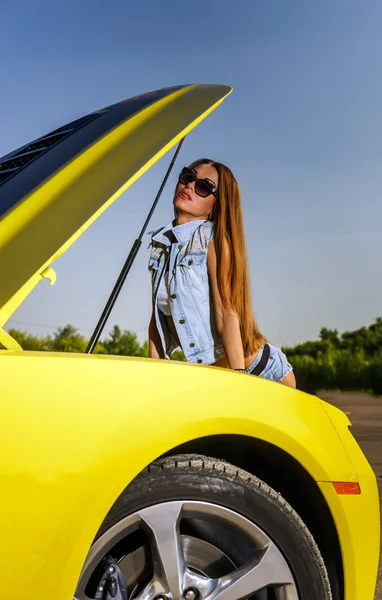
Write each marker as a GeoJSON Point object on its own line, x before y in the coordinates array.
{"type": "Point", "coordinates": [188, 204]}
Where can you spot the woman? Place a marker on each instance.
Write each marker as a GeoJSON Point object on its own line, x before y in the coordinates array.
{"type": "Point", "coordinates": [201, 299]}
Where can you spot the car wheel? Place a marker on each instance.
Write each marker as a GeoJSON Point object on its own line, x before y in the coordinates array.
{"type": "Point", "coordinates": [195, 528]}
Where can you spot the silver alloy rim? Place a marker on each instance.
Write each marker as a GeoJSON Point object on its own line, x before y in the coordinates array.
{"type": "Point", "coordinates": [181, 565]}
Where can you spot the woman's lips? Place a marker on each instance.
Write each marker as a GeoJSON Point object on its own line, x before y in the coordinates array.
{"type": "Point", "coordinates": [184, 195]}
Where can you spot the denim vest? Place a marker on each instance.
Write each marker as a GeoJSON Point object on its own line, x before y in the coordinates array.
{"type": "Point", "coordinates": [184, 249]}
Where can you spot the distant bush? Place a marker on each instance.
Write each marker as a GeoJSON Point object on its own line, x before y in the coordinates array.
{"type": "Point", "coordinates": [374, 374]}
{"type": "Point", "coordinates": [351, 361]}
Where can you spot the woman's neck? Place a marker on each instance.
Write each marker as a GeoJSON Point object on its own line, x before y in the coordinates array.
{"type": "Point", "coordinates": [182, 219]}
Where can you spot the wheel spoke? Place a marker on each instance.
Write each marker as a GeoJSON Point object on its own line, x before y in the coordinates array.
{"type": "Point", "coordinates": [271, 570]}
{"type": "Point", "coordinates": [173, 569]}
{"type": "Point", "coordinates": [169, 568]}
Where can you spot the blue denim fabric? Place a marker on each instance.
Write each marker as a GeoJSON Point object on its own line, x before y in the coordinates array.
{"type": "Point", "coordinates": [184, 248]}
{"type": "Point", "coordinates": [277, 366]}
{"type": "Point", "coordinates": [189, 290]}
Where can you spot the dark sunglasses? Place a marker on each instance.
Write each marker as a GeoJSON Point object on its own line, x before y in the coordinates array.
{"type": "Point", "coordinates": [203, 187]}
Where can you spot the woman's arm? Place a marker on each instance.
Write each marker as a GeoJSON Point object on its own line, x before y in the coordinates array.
{"type": "Point", "coordinates": [155, 344]}
{"type": "Point", "coordinates": [289, 380]}
{"type": "Point", "coordinates": [227, 321]}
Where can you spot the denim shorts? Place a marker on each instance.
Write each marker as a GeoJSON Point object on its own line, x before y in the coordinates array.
{"type": "Point", "coordinates": [277, 366]}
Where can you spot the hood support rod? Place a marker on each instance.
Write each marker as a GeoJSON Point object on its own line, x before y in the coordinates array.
{"type": "Point", "coordinates": [128, 263]}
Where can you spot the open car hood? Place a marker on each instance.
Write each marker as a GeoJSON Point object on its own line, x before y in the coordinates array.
{"type": "Point", "coordinates": [52, 189]}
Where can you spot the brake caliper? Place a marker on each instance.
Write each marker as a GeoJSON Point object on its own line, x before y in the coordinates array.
{"type": "Point", "coordinates": [112, 585]}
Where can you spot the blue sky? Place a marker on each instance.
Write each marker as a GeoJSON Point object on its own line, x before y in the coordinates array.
{"type": "Point", "coordinates": [302, 132]}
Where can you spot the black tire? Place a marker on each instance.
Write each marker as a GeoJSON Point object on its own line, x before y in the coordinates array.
{"type": "Point", "coordinates": [201, 478]}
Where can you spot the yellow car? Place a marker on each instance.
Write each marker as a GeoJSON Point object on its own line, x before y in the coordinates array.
{"type": "Point", "coordinates": [129, 478]}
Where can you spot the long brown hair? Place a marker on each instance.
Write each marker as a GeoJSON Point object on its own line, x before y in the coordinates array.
{"type": "Point", "coordinates": [232, 264]}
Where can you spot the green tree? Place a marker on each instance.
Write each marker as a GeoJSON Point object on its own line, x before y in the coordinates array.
{"type": "Point", "coordinates": [68, 339]}
{"type": "Point", "coordinates": [122, 342]}
{"type": "Point", "coordinates": [330, 335]}
{"type": "Point", "coordinates": [145, 349]}
{"type": "Point", "coordinates": [374, 373]}
{"type": "Point", "coordinates": [28, 341]}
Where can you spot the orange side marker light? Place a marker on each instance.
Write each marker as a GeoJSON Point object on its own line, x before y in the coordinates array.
{"type": "Point", "coordinates": [347, 487]}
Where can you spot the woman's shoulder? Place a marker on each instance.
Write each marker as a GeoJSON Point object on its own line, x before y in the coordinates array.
{"type": "Point", "coordinates": [207, 231]}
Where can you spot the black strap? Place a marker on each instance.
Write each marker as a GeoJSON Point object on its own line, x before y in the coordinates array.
{"type": "Point", "coordinates": [263, 361]}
